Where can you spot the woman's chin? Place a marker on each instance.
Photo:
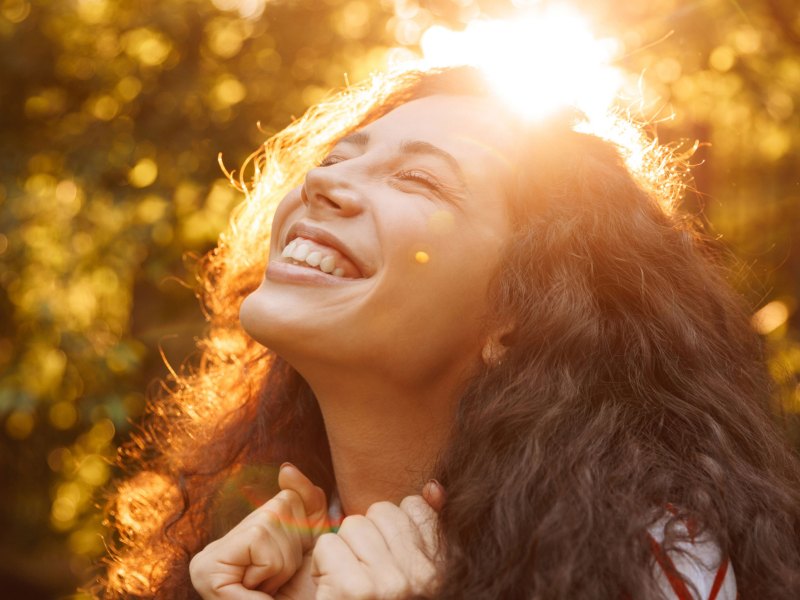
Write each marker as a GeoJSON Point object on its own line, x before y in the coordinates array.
{"type": "Point", "coordinates": [265, 322]}
{"type": "Point", "coordinates": [281, 325]}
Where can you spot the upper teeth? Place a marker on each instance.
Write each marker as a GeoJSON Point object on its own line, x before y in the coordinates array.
{"type": "Point", "coordinates": [300, 250]}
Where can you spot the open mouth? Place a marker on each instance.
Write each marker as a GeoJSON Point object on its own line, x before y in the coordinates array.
{"type": "Point", "coordinates": [313, 254]}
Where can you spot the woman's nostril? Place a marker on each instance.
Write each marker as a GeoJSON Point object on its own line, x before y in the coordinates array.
{"type": "Point", "coordinates": [331, 203]}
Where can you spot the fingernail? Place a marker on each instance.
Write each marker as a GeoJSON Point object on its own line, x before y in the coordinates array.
{"type": "Point", "coordinates": [434, 483]}
{"type": "Point", "coordinates": [286, 464]}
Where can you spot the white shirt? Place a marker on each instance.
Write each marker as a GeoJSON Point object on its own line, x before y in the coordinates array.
{"type": "Point", "coordinates": [700, 563]}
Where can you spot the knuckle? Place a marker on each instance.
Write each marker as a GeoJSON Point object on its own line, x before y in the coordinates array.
{"type": "Point", "coordinates": [258, 531]}
{"type": "Point", "coordinates": [324, 543]}
{"type": "Point", "coordinates": [198, 572]}
{"type": "Point", "coordinates": [413, 504]}
{"type": "Point", "coordinates": [420, 513]}
{"type": "Point", "coordinates": [195, 566]}
{"type": "Point", "coordinates": [424, 580]}
{"type": "Point", "coordinates": [395, 584]}
{"type": "Point", "coordinates": [352, 523]}
{"type": "Point", "coordinates": [200, 559]}
{"type": "Point", "coordinates": [412, 500]}
{"type": "Point", "coordinates": [380, 508]}
{"type": "Point", "coordinates": [278, 504]}
{"type": "Point", "coordinates": [288, 498]}
{"type": "Point", "coordinates": [277, 561]}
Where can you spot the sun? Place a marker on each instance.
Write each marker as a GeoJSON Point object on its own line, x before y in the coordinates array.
{"type": "Point", "coordinates": [539, 62]}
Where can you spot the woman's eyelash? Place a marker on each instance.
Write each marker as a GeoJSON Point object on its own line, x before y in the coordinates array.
{"type": "Point", "coordinates": [409, 175]}
{"type": "Point", "coordinates": [330, 160]}
{"type": "Point", "coordinates": [421, 177]}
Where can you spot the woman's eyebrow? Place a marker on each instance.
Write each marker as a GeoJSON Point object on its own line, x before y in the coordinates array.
{"type": "Point", "coordinates": [420, 147]}
{"type": "Point", "coordinates": [361, 138]}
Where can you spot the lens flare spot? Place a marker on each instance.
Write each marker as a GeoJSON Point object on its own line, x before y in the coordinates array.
{"type": "Point", "coordinates": [422, 257]}
{"type": "Point", "coordinates": [442, 221]}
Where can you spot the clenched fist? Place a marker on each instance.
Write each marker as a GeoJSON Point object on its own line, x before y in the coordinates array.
{"type": "Point", "coordinates": [263, 552]}
{"type": "Point", "coordinates": [388, 554]}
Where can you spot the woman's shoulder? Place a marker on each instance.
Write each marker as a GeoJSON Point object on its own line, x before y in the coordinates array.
{"type": "Point", "coordinates": [693, 568]}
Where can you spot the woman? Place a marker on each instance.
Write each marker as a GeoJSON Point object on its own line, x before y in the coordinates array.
{"type": "Point", "coordinates": [511, 309]}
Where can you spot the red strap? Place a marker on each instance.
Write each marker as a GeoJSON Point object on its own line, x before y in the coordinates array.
{"type": "Point", "coordinates": [721, 572]}
{"type": "Point", "coordinates": [674, 578]}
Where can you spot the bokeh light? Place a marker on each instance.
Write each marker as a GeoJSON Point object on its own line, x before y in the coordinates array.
{"type": "Point", "coordinates": [770, 316]}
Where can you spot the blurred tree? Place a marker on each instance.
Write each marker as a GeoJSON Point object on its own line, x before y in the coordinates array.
{"type": "Point", "coordinates": [113, 113]}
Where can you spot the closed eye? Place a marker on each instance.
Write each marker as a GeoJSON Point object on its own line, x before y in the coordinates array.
{"type": "Point", "coordinates": [331, 160]}
{"type": "Point", "coordinates": [422, 178]}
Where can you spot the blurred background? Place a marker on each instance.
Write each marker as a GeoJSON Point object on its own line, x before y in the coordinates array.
{"type": "Point", "coordinates": [113, 113]}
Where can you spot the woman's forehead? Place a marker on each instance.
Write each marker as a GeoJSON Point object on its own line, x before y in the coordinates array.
{"type": "Point", "coordinates": [471, 129]}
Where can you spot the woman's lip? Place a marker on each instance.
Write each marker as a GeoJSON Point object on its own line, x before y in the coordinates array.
{"type": "Point", "coordinates": [286, 272]}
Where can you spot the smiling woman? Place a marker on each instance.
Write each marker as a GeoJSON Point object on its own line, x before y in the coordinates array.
{"type": "Point", "coordinates": [500, 363]}
{"type": "Point", "coordinates": [379, 191]}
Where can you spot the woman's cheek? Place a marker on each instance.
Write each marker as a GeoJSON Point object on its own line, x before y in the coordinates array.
{"type": "Point", "coordinates": [290, 203]}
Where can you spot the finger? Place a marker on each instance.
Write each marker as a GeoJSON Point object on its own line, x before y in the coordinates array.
{"type": "Point", "coordinates": [399, 532]}
{"type": "Point", "coordinates": [365, 541]}
{"type": "Point", "coordinates": [266, 544]}
{"type": "Point", "coordinates": [410, 547]}
{"type": "Point", "coordinates": [284, 503]}
{"type": "Point", "coordinates": [433, 492]}
{"type": "Point", "coordinates": [426, 521]}
{"type": "Point", "coordinates": [337, 572]}
{"type": "Point", "coordinates": [301, 585]}
{"type": "Point", "coordinates": [285, 518]}
{"type": "Point", "coordinates": [312, 496]}
{"type": "Point", "coordinates": [288, 507]}
{"type": "Point", "coordinates": [274, 558]}
{"type": "Point", "coordinates": [215, 580]}
{"type": "Point", "coordinates": [238, 593]}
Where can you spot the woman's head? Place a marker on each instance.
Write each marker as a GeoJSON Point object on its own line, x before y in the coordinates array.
{"type": "Point", "coordinates": [427, 207]}
{"type": "Point", "coordinates": [412, 208]}
{"type": "Point", "coordinates": [630, 377]}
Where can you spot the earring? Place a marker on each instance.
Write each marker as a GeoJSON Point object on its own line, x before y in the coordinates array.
{"type": "Point", "coordinates": [491, 354]}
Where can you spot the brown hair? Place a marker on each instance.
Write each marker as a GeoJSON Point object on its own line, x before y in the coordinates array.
{"type": "Point", "coordinates": [632, 381]}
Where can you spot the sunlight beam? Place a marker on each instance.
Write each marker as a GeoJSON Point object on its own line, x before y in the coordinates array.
{"type": "Point", "coordinates": [539, 62]}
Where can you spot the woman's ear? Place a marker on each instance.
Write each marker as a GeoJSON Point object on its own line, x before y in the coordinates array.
{"type": "Point", "coordinates": [496, 346]}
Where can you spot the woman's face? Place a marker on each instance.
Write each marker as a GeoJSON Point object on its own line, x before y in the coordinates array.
{"type": "Point", "coordinates": [382, 259]}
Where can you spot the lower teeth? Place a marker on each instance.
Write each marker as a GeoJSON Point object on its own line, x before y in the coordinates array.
{"type": "Point", "coordinates": [305, 264]}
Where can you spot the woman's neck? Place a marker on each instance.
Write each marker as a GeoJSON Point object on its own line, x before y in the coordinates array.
{"type": "Point", "coordinates": [384, 441]}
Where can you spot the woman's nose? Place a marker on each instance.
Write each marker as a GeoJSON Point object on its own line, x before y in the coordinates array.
{"type": "Point", "coordinates": [329, 190]}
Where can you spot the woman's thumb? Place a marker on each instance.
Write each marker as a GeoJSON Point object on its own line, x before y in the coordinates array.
{"type": "Point", "coordinates": [314, 500]}
{"type": "Point", "coordinates": [433, 492]}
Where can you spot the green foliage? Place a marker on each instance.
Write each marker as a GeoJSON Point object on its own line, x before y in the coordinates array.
{"type": "Point", "coordinates": [113, 116]}
{"type": "Point", "coordinates": [113, 113]}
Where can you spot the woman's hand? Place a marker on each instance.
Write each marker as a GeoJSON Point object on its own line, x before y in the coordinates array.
{"type": "Point", "coordinates": [266, 549]}
{"type": "Point", "coordinates": [390, 553]}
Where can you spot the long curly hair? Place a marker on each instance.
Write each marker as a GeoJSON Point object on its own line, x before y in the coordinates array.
{"type": "Point", "coordinates": [632, 381]}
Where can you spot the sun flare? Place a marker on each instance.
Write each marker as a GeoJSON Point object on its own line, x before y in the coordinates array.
{"type": "Point", "coordinates": [540, 61]}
